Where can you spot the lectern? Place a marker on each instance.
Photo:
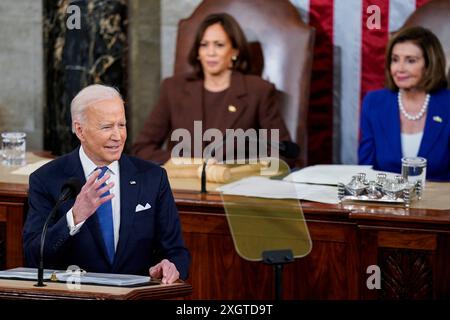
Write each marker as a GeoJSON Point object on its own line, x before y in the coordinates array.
{"type": "Point", "coordinates": [25, 289]}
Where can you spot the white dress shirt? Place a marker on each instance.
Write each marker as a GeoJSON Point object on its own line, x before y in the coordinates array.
{"type": "Point", "coordinates": [411, 144]}
{"type": "Point", "coordinates": [113, 169]}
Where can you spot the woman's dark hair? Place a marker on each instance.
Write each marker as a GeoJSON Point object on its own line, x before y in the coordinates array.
{"type": "Point", "coordinates": [434, 77]}
{"type": "Point", "coordinates": [237, 38]}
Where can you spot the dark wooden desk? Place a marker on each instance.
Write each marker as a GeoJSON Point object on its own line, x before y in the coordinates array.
{"type": "Point", "coordinates": [412, 249]}
{"type": "Point", "coordinates": [19, 289]}
{"type": "Point", "coordinates": [13, 205]}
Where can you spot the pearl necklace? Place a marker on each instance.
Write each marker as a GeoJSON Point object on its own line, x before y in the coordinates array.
{"type": "Point", "coordinates": [409, 116]}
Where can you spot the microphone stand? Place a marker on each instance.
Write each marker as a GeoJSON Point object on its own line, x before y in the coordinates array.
{"type": "Point", "coordinates": [203, 179]}
{"type": "Point", "coordinates": [40, 278]}
{"type": "Point", "coordinates": [203, 176]}
{"type": "Point", "coordinates": [70, 189]}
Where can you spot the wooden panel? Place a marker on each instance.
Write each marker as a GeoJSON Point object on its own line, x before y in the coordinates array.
{"type": "Point", "coordinates": [368, 241]}
{"type": "Point", "coordinates": [2, 213]}
{"type": "Point", "coordinates": [323, 274]}
{"type": "Point", "coordinates": [407, 240]}
{"type": "Point", "coordinates": [217, 272]}
{"type": "Point", "coordinates": [2, 245]}
{"type": "Point", "coordinates": [441, 276]}
{"type": "Point", "coordinates": [333, 232]}
{"type": "Point", "coordinates": [216, 268]}
{"type": "Point", "coordinates": [14, 226]}
{"type": "Point", "coordinates": [204, 223]}
{"type": "Point", "coordinates": [406, 274]}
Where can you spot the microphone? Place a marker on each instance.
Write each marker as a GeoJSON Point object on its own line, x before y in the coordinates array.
{"type": "Point", "coordinates": [70, 189]}
{"type": "Point", "coordinates": [288, 149]}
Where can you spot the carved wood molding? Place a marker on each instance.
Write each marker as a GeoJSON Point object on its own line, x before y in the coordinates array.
{"type": "Point", "coordinates": [406, 274]}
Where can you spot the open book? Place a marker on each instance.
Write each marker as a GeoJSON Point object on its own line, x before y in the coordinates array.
{"type": "Point", "coordinates": [109, 279]}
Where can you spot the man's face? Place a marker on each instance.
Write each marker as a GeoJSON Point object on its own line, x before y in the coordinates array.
{"type": "Point", "coordinates": [103, 131]}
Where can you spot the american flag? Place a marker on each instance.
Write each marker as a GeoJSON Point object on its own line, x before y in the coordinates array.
{"type": "Point", "coordinates": [348, 62]}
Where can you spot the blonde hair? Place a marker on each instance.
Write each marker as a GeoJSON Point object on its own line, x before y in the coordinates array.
{"type": "Point", "coordinates": [89, 96]}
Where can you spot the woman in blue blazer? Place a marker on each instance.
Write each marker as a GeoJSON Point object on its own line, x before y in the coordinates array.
{"type": "Point", "coordinates": [411, 117]}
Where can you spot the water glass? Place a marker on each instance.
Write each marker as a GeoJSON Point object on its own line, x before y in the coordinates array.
{"type": "Point", "coordinates": [414, 169]}
{"type": "Point", "coordinates": [13, 148]}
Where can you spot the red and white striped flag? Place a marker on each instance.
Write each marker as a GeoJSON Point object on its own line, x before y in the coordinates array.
{"type": "Point", "coordinates": [351, 37]}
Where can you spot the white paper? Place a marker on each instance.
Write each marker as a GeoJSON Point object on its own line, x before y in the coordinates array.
{"type": "Point", "coordinates": [30, 168]}
{"type": "Point", "coordinates": [332, 174]}
{"type": "Point", "coordinates": [110, 279]}
{"type": "Point", "coordinates": [263, 187]}
{"type": "Point", "coordinates": [24, 273]}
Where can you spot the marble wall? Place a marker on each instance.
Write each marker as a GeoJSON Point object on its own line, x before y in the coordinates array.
{"type": "Point", "coordinates": [95, 51]}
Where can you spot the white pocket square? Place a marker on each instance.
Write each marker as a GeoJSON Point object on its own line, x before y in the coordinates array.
{"type": "Point", "coordinates": [140, 207]}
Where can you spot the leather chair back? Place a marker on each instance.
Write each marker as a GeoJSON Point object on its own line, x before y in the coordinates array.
{"type": "Point", "coordinates": [435, 16]}
{"type": "Point", "coordinates": [281, 49]}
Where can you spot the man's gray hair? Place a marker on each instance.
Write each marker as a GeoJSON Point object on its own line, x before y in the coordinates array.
{"type": "Point", "coordinates": [89, 96]}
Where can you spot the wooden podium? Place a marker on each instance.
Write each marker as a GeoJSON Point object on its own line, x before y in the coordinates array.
{"type": "Point", "coordinates": [25, 289]}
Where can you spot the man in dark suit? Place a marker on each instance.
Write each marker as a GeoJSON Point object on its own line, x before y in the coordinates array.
{"type": "Point", "coordinates": [124, 219]}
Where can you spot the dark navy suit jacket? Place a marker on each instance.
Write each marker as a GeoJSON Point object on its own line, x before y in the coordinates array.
{"type": "Point", "coordinates": [380, 143]}
{"type": "Point", "coordinates": [145, 237]}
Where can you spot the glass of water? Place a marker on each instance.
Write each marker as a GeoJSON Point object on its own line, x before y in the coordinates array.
{"type": "Point", "coordinates": [414, 169]}
{"type": "Point", "coordinates": [13, 148]}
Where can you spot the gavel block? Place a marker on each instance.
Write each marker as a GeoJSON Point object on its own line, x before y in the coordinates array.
{"type": "Point", "coordinates": [222, 173]}
{"type": "Point", "coordinates": [183, 167]}
{"type": "Point", "coordinates": [215, 172]}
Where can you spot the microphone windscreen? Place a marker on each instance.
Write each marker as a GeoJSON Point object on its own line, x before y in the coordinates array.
{"type": "Point", "coordinates": [71, 188]}
{"type": "Point", "coordinates": [289, 149]}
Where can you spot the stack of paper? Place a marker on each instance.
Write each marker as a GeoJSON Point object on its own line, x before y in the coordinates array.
{"type": "Point", "coordinates": [332, 174]}
{"type": "Point", "coordinates": [24, 273]}
{"type": "Point", "coordinates": [30, 168]}
{"type": "Point", "coordinates": [109, 279]}
{"type": "Point", "coordinates": [275, 189]}
{"type": "Point", "coordinates": [316, 183]}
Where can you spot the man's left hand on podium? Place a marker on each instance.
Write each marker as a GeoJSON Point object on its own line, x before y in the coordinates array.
{"type": "Point", "coordinates": [166, 271]}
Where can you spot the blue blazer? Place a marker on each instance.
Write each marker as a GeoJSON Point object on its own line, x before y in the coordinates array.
{"type": "Point", "coordinates": [145, 237]}
{"type": "Point", "coordinates": [380, 143]}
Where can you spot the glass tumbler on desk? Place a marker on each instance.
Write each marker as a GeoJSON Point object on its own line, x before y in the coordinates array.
{"type": "Point", "coordinates": [414, 169]}
{"type": "Point", "coordinates": [13, 148]}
